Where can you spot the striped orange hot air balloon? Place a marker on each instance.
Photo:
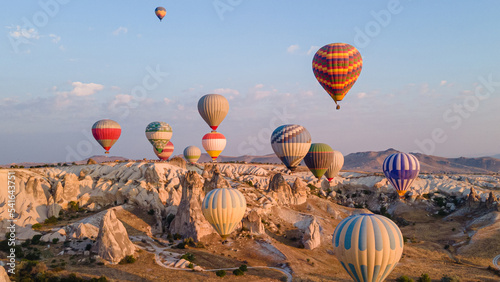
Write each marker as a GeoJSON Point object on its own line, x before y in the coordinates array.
{"type": "Point", "coordinates": [214, 143]}
{"type": "Point", "coordinates": [106, 132]}
{"type": "Point", "coordinates": [166, 152]}
{"type": "Point", "coordinates": [337, 66]}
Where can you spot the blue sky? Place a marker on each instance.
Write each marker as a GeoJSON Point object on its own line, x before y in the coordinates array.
{"type": "Point", "coordinates": [430, 80]}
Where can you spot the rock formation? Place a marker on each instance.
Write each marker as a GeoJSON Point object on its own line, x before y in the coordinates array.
{"type": "Point", "coordinates": [254, 223]}
{"type": "Point", "coordinates": [189, 220]}
{"type": "Point", "coordinates": [178, 161]}
{"type": "Point", "coordinates": [281, 191]}
{"type": "Point", "coordinates": [3, 274]}
{"type": "Point", "coordinates": [113, 243]}
{"type": "Point", "coordinates": [473, 200]}
{"type": "Point", "coordinates": [299, 191]}
{"type": "Point", "coordinates": [216, 180]}
{"type": "Point", "coordinates": [312, 236]}
{"type": "Point", "coordinates": [91, 162]}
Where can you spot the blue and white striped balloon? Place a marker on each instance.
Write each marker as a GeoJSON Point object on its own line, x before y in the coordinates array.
{"type": "Point", "coordinates": [368, 246]}
{"type": "Point", "coordinates": [401, 169]}
{"type": "Point", "coordinates": [224, 208]}
{"type": "Point", "coordinates": [290, 143]}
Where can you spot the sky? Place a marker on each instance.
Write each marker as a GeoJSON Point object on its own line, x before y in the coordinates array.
{"type": "Point", "coordinates": [430, 81]}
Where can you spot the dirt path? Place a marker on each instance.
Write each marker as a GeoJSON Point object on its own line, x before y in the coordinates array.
{"type": "Point", "coordinates": [495, 261]}
{"type": "Point", "coordinates": [158, 250]}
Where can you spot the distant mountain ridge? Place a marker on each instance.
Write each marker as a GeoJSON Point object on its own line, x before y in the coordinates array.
{"type": "Point", "coordinates": [369, 161]}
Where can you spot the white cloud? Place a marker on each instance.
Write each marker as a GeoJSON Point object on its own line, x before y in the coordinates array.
{"type": "Point", "coordinates": [312, 50]}
{"type": "Point", "coordinates": [259, 86]}
{"type": "Point", "coordinates": [167, 101]}
{"type": "Point", "coordinates": [55, 38]}
{"type": "Point", "coordinates": [292, 48]}
{"type": "Point", "coordinates": [24, 33]}
{"type": "Point", "coordinates": [115, 88]}
{"type": "Point", "coordinates": [443, 82]}
{"type": "Point", "coordinates": [80, 89]}
{"type": "Point", "coordinates": [120, 30]}
{"type": "Point", "coordinates": [223, 91]}
{"type": "Point", "coordinates": [361, 95]}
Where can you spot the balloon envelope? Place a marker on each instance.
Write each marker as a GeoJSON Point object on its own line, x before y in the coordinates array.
{"type": "Point", "coordinates": [158, 134]}
{"type": "Point", "coordinates": [166, 152]}
{"type": "Point", "coordinates": [335, 166]}
{"type": "Point", "coordinates": [106, 132]}
{"type": "Point", "coordinates": [160, 12]}
{"type": "Point", "coordinates": [401, 169]}
{"type": "Point", "coordinates": [214, 143]}
{"type": "Point", "coordinates": [290, 143]}
{"type": "Point", "coordinates": [318, 158]}
{"type": "Point", "coordinates": [213, 109]}
{"type": "Point", "coordinates": [368, 246]}
{"type": "Point", "coordinates": [337, 66]}
{"type": "Point", "coordinates": [224, 208]}
{"type": "Point", "coordinates": [192, 154]}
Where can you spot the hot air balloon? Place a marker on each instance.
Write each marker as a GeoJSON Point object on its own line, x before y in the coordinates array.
{"type": "Point", "coordinates": [224, 208]}
{"type": "Point", "coordinates": [337, 67]}
{"type": "Point", "coordinates": [368, 246]}
{"type": "Point", "coordinates": [192, 154]}
{"type": "Point", "coordinates": [158, 133]}
{"type": "Point", "coordinates": [106, 132]}
{"type": "Point", "coordinates": [160, 12]}
{"type": "Point", "coordinates": [213, 109]}
{"type": "Point", "coordinates": [401, 169]}
{"type": "Point", "coordinates": [319, 158]}
{"type": "Point", "coordinates": [166, 152]}
{"type": "Point", "coordinates": [214, 143]}
{"type": "Point", "coordinates": [335, 166]}
{"type": "Point", "coordinates": [290, 143]}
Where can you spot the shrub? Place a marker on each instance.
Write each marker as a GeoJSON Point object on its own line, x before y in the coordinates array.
{"type": "Point", "coordinates": [220, 273]}
{"type": "Point", "coordinates": [74, 206]}
{"type": "Point", "coordinates": [151, 212]}
{"type": "Point", "coordinates": [36, 226]}
{"type": "Point", "coordinates": [51, 220]}
{"type": "Point", "coordinates": [55, 240]}
{"type": "Point", "coordinates": [170, 218]}
{"type": "Point", "coordinates": [424, 278]}
{"type": "Point", "coordinates": [88, 247]}
{"type": "Point", "coordinates": [452, 278]}
{"type": "Point", "coordinates": [238, 272]}
{"type": "Point", "coordinates": [33, 256]}
{"type": "Point", "coordinates": [404, 278]}
{"type": "Point", "coordinates": [200, 245]}
{"type": "Point", "coordinates": [177, 236]}
{"type": "Point", "coordinates": [127, 259]}
{"type": "Point", "coordinates": [36, 239]}
{"type": "Point", "coordinates": [188, 257]}
{"type": "Point", "coordinates": [190, 242]}
{"type": "Point", "coordinates": [191, 265]}
{"type": "Point", "coordinates": [243, 267]}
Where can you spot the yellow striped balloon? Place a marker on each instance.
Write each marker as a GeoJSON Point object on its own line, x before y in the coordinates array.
{"type": "Point", "coordinates": [192, 154]}
{"type": "Point", "coordinates": [335, 166]}
{"type": "Point", "coordinates": [368, 246]}
{"type": "Point", "coordinates": [213, 109]}
{"type": "Point", "coordinates": [214, 143]}
{"type": "Point", "coordinates": [224, 208]}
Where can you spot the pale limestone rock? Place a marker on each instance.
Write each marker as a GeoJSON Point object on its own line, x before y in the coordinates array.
{"type": "Point", "coordinates": [216, 180]}
{"type": "Point", "coordinates": [299, 191]}
{"type": "Point", "coordinates": [189, 220]}
{"type": "Point", "coordinates": [253, 223]}
{"type": "Point", "coordinates": [312, 236]}
{"type": "Point", "coordinates": [3, 274]}
{"type": "Point", "coordinates": [83, 230]}
{"type": "Point", "coordinates": [113, 243]}
{"type": "Point", "coordinates": [178, 161]}
{"type": "Point", "coordinates": [59, 234]}
{"type": "Point", "coordinates": [279, 189]}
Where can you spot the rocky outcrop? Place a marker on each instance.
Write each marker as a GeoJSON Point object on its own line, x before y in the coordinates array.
{"type": "Point", "coordinates": [91, 162]}
{"type": "Point", "coordinates": [473, 200]}
{"type": "Point", "coordinates": [83, 230]}
{"type": "Point", "coordinates": [216, 180]}
{"type": "Point", "coordinates": [312, 236]}
{"type": "Point", "coordinates": [189, 220]}
{"type": "Point", "coordinates": [299, 191]}
{"type": "Point", "coordinates": [253, 223]}
{"type": "Point", "coordinates": [113, 243]}
{"type": "Point", "coordinates": [60, 235]}
{"type": "Point", "coordinates": [3, 274]}
{"type": "Point", "coordinates": [178, 161]}
{"type": "Point", "coordinates": [492, 201]}
{"type": "Point", "coordinates": [283, 194]}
